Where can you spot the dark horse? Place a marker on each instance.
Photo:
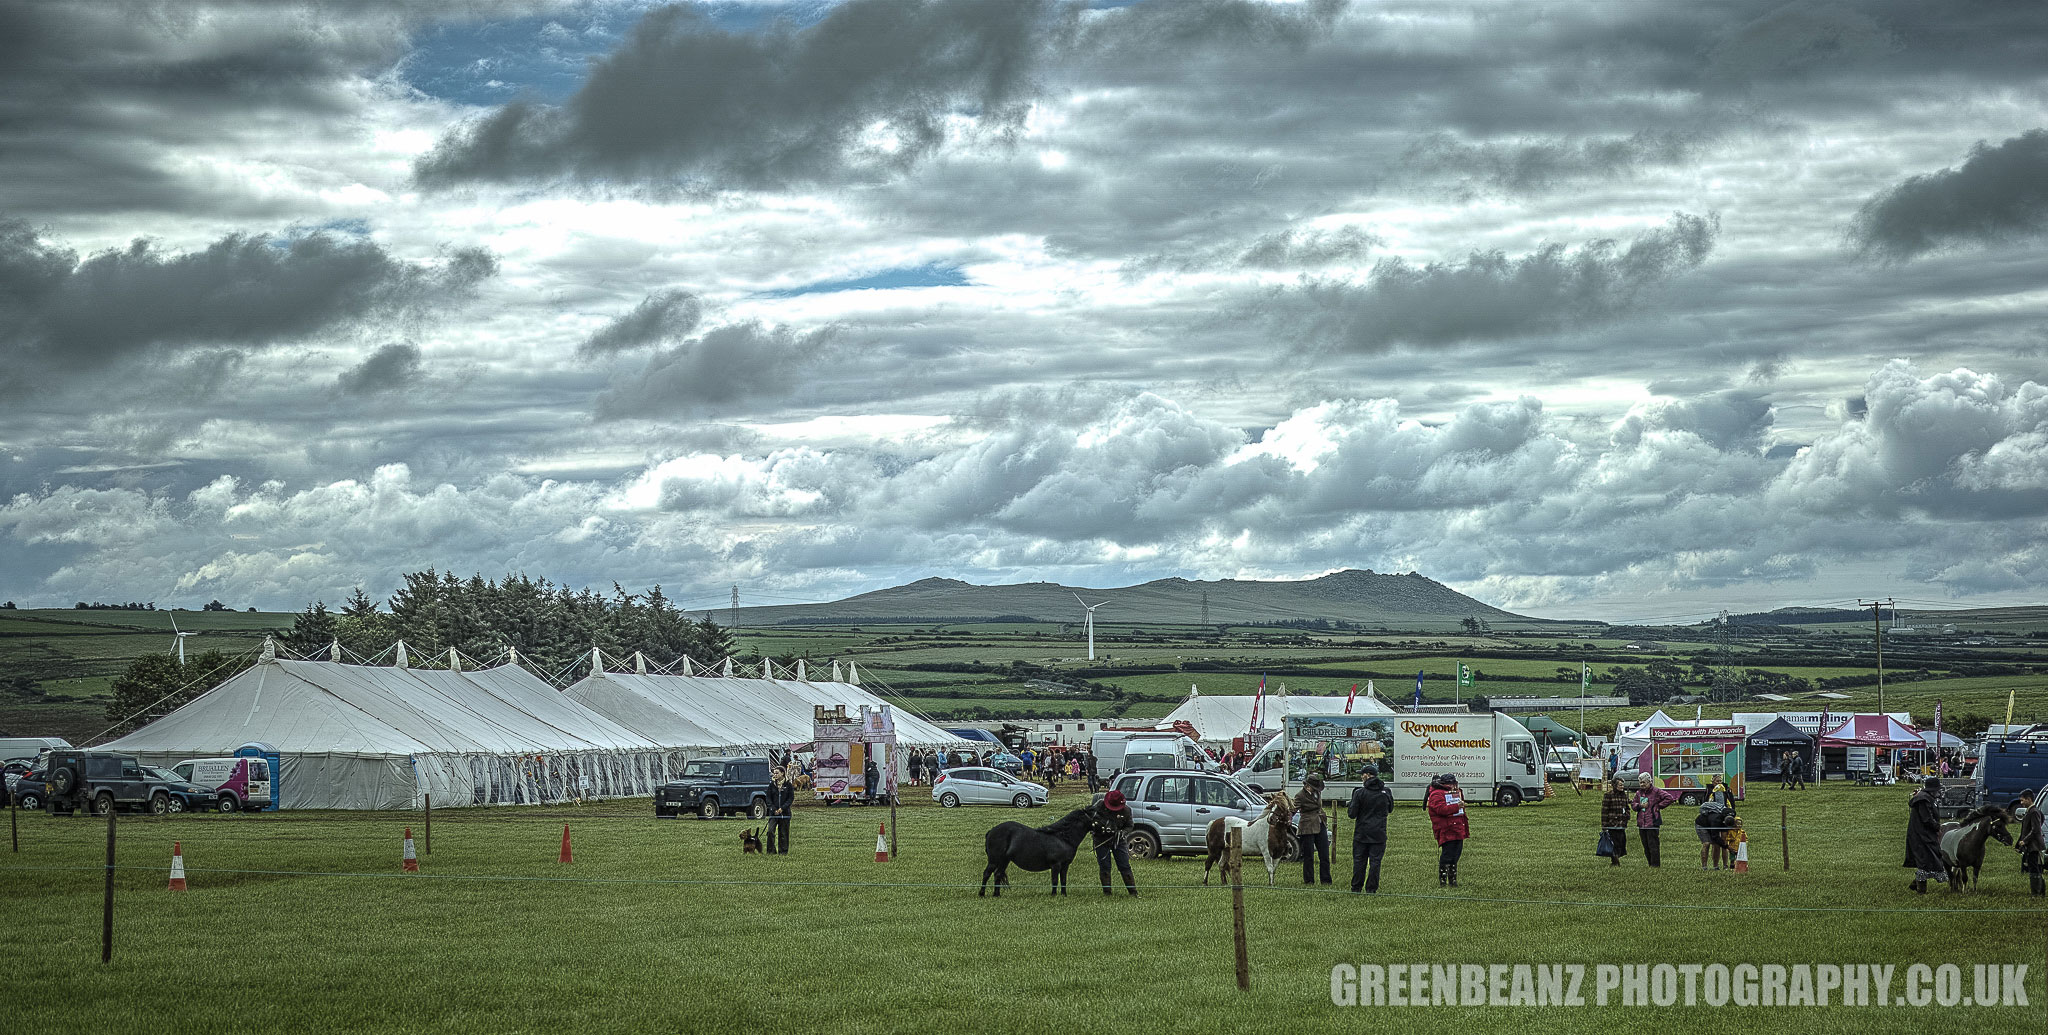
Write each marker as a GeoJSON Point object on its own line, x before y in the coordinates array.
{"type": "Point", "coordinates": [1044, 848]}
{"type": "Point", "coordinates": [1962, 843]}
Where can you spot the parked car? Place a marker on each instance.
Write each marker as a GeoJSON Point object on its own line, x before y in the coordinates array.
{"type": "Point", "coordinates": [982, 785]}
{"type": "Point", "coordinates": [14, 768]}
{"type": "Point", "coordinates": [1171, 809]}
{"type": "Point", "coordinates": [714, 787]}
{"type": "Point", "coordinates": [28, 790]}
{"type": "Point", "coordinates": [105, 781]}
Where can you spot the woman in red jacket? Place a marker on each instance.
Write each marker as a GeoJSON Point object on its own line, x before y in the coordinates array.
{"type": "Point", "coordinates": [1447, 820]}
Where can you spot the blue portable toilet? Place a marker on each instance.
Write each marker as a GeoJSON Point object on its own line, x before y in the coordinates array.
{"type": "Point", "coordinates": [258, 749]}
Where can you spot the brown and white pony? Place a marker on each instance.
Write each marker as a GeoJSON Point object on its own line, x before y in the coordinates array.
{"type": "Point", "coordinates": [1271, 835]}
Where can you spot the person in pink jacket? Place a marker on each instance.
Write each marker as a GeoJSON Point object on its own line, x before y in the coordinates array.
{"type": "Point", "coordinates": [1649, 805]}
{"type": "Point", "coordinates": [1447, 820]}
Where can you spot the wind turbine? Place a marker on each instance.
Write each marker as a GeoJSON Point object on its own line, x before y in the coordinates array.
{"type": "Point", "coordinates": [1090, 609]}
{"type": "Point", "coordinates": [179, 639]}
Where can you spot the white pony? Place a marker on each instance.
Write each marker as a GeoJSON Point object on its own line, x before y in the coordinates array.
{"type": "Point", "coordinates": [1271, 835]}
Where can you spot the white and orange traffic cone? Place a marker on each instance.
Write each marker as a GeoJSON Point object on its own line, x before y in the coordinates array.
{"type": "Point", "coordinates": [412, 859]}
{"type": "Point", "coordinates": [881, 844]}
{"type": "Point", "coordinates": [565, 843]}
{"type": "Point", "coordinates": [177, 866]}
{"type": "Point", "coordinates": [1742, 853]}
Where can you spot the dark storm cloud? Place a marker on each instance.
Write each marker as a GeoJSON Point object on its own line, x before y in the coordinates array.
{"type": "Point", "coordinates": [393, 366]}
{"type": "Point", "coordinates": [1492, 296]}
{"type": "Point", "coordinates": [660, 317]}
{"type": "Point", "coordinates": [243, 290]}
{"type": "Point", "coordinates": [721, 370]}
{"type": "Point", "coordinates": [685, 99]}
{"type": "Point", "coordinates": [1998, 194]}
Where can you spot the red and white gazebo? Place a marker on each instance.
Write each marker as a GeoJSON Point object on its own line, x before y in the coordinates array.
{"type": "Point", "coordinates": [1877, 731]}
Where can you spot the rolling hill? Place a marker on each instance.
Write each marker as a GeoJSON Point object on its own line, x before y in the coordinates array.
{"type": "Point", "coordinates": [1363, 597]}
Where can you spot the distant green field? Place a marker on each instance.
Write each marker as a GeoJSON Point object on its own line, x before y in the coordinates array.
{"type": "Point", "coordinates": [665, 926]}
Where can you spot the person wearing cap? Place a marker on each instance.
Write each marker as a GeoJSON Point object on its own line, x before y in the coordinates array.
{"type": "Point", "coordinates": [2031, 844]}
{"type": "Point", "coordinates": [1923, 837]}
{"type": "Point", "coordinates": [1311, 829]}
{"type": "Point", "coordinates": [1112, 822]}
{"type": "Point", "coordinates": [1446, 804]}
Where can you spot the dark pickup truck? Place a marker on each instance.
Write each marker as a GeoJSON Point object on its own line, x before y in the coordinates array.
{"type": "Point", "coordinates": [100, 782]}
{"type": "Point", "coordinates": [713, 787]}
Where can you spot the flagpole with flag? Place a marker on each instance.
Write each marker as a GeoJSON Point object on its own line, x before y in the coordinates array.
{"type": "Point", "coordinates": [2008, 711]}
{"type": "Point", "coordinates": [1258, 700]}
{"type": "Point", "coordinates": [1353, 699]}
{"type": "Point", "coordinates": [1418, 692]}
{"type": "Point", "coordinates": [1585, 681]}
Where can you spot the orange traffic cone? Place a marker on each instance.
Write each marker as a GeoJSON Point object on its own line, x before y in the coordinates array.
{"type": "Point", "coordinates": [177, 866]}
{"type": "Point", "coordinates": [1742, 853]}
{"type": "Point", "coordinates": [881, 844]}
{"type": "Point", "coordinates": [412, 859]}
{"type": "Point", "coordinates": [565, 843]}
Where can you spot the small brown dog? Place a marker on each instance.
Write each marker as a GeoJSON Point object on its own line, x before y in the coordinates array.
{"type": "Point", "coordinates": [750, 841]}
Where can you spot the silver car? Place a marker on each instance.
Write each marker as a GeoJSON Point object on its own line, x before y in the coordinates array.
{"type": "Point", "coordinates": [1171, 809]}
{"type": "Point", "coordinates": [981, 785]}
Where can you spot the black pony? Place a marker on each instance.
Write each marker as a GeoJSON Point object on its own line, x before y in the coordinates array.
{"type": "Point", "coordinates": [1962, 843]}
{"type": "Point", "coordinates": [1045, 848]}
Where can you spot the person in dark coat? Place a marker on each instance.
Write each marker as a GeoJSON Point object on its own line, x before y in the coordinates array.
{"type": "Point", "coordinates": [2032, 844]}
{"type": "Point", "coordinates": [1094, 782]}
{"type": "Point", "coordinates": [781, 799]}
{"type": "Point", "coordinates": [1446, 806]}
{"type": "Point", "coordinates": [1614, 817]}
{"type": "Point", "coordinates": [873, 778]}
{"type": "Point", "coordinates": [1368, 810]}
{"type": "Point", "coordinates": [1311, 830]}
{"type": "Point", "coordinates": [1111, 823]}
{"type": "Point", "coordinates": [1923, 837]}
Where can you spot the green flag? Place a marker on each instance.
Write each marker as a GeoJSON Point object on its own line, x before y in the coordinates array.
{"type": "Point", "coordinates": [1585, 677]}
{"type": "Point", "coordinates": [1464, 675]}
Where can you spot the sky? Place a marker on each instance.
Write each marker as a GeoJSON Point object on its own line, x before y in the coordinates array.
{"type": "Point", "coordinates": [1610, 310]}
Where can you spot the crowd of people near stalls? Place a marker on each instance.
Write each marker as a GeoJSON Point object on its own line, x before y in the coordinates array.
{"type": "Point", "coordinates": [1051, 765]}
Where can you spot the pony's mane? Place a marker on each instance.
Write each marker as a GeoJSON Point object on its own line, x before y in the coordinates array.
{"type": "Point", "coordinates": [1985, 813]}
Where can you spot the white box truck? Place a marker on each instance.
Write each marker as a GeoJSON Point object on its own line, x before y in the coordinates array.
{"type": "Point", "coordinates": [1492, 755]}
{"type": "Point", "coordinates": [1125, 750]}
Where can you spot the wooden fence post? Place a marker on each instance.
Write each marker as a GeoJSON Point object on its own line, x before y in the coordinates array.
{"type": "Point", "coordinates": [14, 823]}
{"type": "Point", "coordinates": [430, 823]}
{"type": "Point", "coordinates": [1236, 860]}
{"type": "Point", "coordinates": [1783, 839]}
{"type": "Point", "coordinates": [107, 921]}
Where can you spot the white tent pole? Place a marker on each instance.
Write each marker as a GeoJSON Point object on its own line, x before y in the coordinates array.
{"type": "Point", "coordinates": [837, 675]}
{"type": "Point", "coordinates": [639, 663]}
{"type": "Point", "coordinates": [728, 667]}
{"type": "Point", "coordinates": [596, 662]}
{"type": "Point", "coordinates": [802, 676]}
{"type": "Point", "coordinates": [686, 666]}
{"type": "Point", "coordinates": [853, 673]}
{"type": "Point", "coordinates": [269, 655]}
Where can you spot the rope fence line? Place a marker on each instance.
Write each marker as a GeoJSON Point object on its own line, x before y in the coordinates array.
{"type": "Point", "coordinates": [697, 882]}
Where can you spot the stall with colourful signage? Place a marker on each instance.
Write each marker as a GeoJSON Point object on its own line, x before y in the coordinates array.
{"type": "Point", "coordinates": [1690, 758]}
{"type": "Point", "coordinates": [844, 744]}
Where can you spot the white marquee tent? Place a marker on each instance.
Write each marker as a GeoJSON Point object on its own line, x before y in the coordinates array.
{"type": "Point", "coordinates": [362, 737]}
{"type": "Point", "coordinates": [708, 714]}
{"type": "Point", "coordinates": [1219, 718]}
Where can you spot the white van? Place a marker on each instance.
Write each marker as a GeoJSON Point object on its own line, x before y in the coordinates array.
{"type": "Point", "coordinates": [239, 783]}
{"type": "Point", "coordinates": [1491, 754]}
{"type": "Point", "coordinates": [12, 748]}
{"type": "Point", "coordinates": [1126, 750]}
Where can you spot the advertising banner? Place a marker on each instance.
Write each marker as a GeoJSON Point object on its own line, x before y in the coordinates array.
{"type": "Point", "coordinates": [1339, 747]}
{"type": "Point", "coordinates": [1427, 747]}
{"type": "Point", "coordinates": [1689, 759]}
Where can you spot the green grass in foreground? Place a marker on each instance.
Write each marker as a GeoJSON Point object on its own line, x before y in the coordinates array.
{"type": "Point", "coordinates": [828, 940]}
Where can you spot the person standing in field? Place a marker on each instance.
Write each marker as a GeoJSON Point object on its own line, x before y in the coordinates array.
{"type": "Point", "coordinates": [1446, 805]}
{"type": "Point", "coordinates": [1923, 837]}
{"type": "Point", "coordinates": [1614, 816]}
{"type": "Point", "coordinates": [1311, 830]}
{"type": "Point", "coordinates": [1368, 810]}
{"type": "Point", "coordinates": [1649, 805]}
{"type": "Point", "coordinates": [781, 799]}
{"type": "Point", "coordinates": [2032, 844]}
{"type": "Point", "coordinates": [1111, 819]}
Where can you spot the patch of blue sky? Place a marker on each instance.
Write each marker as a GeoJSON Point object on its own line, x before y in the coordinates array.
{"type": "Point", "coordinates": [931, 274]}
{"type": "Point", "coordinates": [546, 57]}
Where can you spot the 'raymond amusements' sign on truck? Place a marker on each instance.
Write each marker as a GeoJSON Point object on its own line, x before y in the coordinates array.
{"type": "Point", "coordinates": [1492, 755]}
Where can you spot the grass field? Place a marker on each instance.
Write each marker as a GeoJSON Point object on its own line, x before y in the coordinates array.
{"type": "Point", "coordinates": [303, 922]}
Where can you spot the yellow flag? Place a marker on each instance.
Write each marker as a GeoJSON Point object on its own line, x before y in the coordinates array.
{"type": "Point", "coordinates": [2008, 710]}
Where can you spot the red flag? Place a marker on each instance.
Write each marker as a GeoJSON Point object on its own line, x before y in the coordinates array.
{"type": "Point", "coordinates": [1352, 699]}
{"type": "Point", "coordinates": [1256, 702]}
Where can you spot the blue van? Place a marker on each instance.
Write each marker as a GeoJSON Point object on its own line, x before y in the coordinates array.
{"type": "Point", "coordinates": [2007, 767]}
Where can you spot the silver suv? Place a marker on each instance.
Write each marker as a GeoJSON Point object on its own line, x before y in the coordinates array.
{"type": "Point", "coordinates": [1171, 809]}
